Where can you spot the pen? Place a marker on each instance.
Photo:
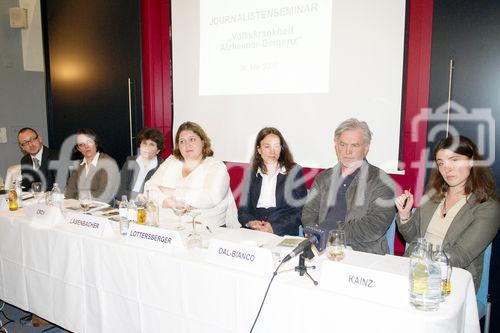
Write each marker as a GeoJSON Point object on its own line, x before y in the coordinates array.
{"type": "Point", "coordinates": [406, 200]}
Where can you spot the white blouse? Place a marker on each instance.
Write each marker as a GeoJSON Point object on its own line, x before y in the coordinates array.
{"type": "Point", "coordinates": [267, 197]}
{"type": "Point", "coordinates": [206, 188]}
{"type": "Point", "coordinates": [439, 225]}
{"type": "Point", "coordinates": [143, 171]}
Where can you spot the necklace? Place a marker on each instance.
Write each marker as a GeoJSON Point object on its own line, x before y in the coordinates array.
{"type": "Point", "coordinates": [443, 209]}
{"type": "Point", "coordinates": [454, 198]}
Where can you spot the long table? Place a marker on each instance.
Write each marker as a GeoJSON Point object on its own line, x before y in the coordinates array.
{"type": "Point", "coordinates": [90, 284]}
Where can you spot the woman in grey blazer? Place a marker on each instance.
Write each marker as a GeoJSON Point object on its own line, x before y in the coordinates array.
{"type": "Point", "coordinates": [459, 210]}
{"type": "Point", "coordinates": [96, 172]}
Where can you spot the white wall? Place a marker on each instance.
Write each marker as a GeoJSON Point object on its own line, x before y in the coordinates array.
{"type": "Point", "coordinates": [22, 93]}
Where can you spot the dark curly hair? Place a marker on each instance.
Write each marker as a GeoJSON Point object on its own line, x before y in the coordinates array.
{"type": "Point", "coordinates": [152, 134]}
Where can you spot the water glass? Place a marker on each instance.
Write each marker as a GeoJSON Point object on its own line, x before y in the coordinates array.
{"type": "Point", "coordinates": [36, 188]}
{"type": "Point", "coordinates": [85, 198]}
{"type": "Point", "coordinates": [180, 208]}
{"type": "Point", "coordinates": [194, 238]}
{"type": "Point", "coordinates": [336, 245]}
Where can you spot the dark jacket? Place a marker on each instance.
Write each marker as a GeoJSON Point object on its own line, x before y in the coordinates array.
{"type": "Point", "coordinates": [285, 217]}
{"type": "Point", "coordinates": [128, 176]}
{"type": "Point", "coordinates": [44, 175]}
{"type": "Point", "coordinates": [370, 206]}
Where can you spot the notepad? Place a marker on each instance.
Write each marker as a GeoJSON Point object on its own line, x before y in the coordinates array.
{"type": "Point", "coordinates": [290, 241]}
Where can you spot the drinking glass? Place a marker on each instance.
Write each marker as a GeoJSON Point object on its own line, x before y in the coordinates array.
{"type": "Point", "coordinates": [194, 238]}
{"type": "Point", "coordinates": [180, 208]}
{"type": "Point", "coordinates": [85, 198]}
{"type": "Point", "coordinates": [152, 213]}
{"type": "Point", "coordinates": [336, 245]}
{"type": "Point", "coordinates": [36, 188]}
{"type": "Point", "coordinates": [141, 209]}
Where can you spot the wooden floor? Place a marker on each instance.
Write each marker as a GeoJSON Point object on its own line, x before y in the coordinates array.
{"type": "Point", "coordinates": [17, 325]}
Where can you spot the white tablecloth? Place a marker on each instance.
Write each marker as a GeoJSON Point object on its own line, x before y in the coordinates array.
{"type": "Point", "coordinates": [87, 284]}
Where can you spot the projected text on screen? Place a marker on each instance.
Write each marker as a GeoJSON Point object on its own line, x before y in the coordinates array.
{"type": "Point", "coordinates": [264, 47]}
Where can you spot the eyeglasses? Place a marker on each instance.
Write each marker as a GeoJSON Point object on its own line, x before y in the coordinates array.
{"type": "Point", "coordinates": [85, 143]}
{"type": "Point", "coordinates": [27, 142]}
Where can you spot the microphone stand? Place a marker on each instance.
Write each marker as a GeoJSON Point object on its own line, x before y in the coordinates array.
{"type": "Point", "coordinates": [302, 267]}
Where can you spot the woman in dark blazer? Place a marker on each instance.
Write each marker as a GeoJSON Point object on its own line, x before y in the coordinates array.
{"type": "Point", "coordinates": [138, 169]}
{"type": "Point", "coordinates": [275, 190]}
{"type": "Point", "coordinates": [459, 211]}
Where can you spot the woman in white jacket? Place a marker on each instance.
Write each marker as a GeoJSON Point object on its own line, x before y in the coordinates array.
{"type": "Point", "coordinates": [193, 177]}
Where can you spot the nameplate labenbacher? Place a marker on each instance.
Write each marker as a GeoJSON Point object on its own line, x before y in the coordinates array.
{"type": "Point", "coordinates": [87, 224]}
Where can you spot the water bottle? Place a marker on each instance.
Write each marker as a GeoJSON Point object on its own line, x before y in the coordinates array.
{"type": "Point", "coordinates": [132, 212]}
{"type": "Point", "coordinates": [122, 207]}
{"type": "Point", "coordinates": [19, 191]}
{"type": "Point", "coordinates": [440, 257]}
{"type": "Point", "coordinates": [418, 250]}
{"type": "Point", "coordinates": [13, 198]}
{"type": "Point", "coordinates": [425, 278]}
{"type": "Point", "coordinates": [56, 196]}
{"type": "Point", "coordinates": [123, 210]}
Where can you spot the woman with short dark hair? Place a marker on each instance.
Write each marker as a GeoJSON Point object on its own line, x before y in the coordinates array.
{"type": "Point", "coordinates": [460, 210]}
{"type": "Point", "coordinates": [97, 172]}
{"type": "Point", "coordinates": [274, 191]}
{"type": "Point", "coordinates": [137, 170]}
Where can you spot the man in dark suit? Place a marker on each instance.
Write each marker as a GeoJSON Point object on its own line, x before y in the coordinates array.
{"type": "Point", "coordinates": [35, 162]}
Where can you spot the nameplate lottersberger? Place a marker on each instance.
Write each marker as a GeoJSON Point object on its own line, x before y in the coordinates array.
{"type": "Point", "coordinates": [154, 238]}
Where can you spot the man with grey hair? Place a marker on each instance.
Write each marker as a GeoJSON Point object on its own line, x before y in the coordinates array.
{"type": "Point", "coordinates": [353, 196]}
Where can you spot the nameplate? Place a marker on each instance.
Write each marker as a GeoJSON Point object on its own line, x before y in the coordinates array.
{"type": "Point", "coordinates": [87, 224]}
{"type": "Point", "coordinates": [252, 259]}
{"type": "Point", "coordinates": [377, 278]}
{"type": "Point", "coordinates": [44, 216]}
{"type": "Point", "coordinates": [154, 238]}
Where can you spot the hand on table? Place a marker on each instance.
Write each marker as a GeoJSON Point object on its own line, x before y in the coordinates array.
{"type": "Point", "coordinates": [260, 226]}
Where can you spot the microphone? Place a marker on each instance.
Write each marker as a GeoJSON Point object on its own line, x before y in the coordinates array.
{"type": "Point", "coordinates": [301, 247]}
{"type": "Point", "coordinates": [321, 235]}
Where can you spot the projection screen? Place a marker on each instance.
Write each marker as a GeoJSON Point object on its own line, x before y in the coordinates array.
{"type": "Point", "coordinates": [300, 66]}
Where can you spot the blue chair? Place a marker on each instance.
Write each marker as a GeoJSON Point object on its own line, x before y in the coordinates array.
{"type": "Point", "coordinates": [483, 305]}
{"type": "Point", "coordinates": [391, 236]}
{"type": "Point", "coordinates": [301, 231]}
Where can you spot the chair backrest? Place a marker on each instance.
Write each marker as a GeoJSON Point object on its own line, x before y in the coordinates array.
{"type": "Point", "coordinates": [13, 172]}
{"type": "Point", "coordinates": [482, 292]}
{"type": "Point", "coordinates": [391, 236]}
